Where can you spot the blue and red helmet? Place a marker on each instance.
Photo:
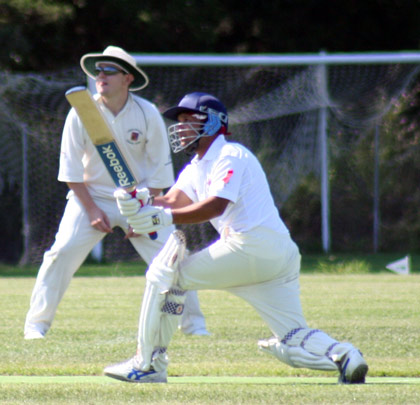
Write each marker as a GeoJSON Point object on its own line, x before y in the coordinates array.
{"type": "Point", "coordinates": [208, 108]}
{"type": "Point", "coordinates": [200, 103]}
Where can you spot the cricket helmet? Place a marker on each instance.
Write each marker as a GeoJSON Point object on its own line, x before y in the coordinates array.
{"type": "Point", "coordinates": [211, 112]}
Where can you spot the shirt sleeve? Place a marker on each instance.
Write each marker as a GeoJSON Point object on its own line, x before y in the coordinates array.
{"type": "Point", "coordinates": [158, 152]}
{"type": "Point", "coordinates": [185, 183]}
{"type": "Point", "coordinates": [226, 178]}
{"type": "Point", "coordinates": [72, 150]}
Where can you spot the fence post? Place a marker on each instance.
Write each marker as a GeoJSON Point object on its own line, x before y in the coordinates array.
{"type": "Point", "coordinates": [376, 214]}
{"type": "Point", "coordinates": [25, 198]}
{"type": "Point", "coordinates": [324, 159]}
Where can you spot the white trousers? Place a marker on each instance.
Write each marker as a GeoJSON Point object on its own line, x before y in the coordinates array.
{"type": "Point", "coordinates": [73, 242]}
{"type": "Point", "coordinates": [260, 266]}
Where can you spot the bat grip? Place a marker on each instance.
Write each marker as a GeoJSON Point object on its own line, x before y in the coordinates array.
{"type": "Point", "coordinates": [152, 235]}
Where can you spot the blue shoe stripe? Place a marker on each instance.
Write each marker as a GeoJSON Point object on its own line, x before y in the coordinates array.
{"type": "Point", "coordinates": [343, 371]}
{"type": "Point", "coordinates": [136, 375]}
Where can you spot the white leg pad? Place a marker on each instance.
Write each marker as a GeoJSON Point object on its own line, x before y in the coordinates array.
{"type": "Point", "coordinates": [163, 269]}
{"type": "Point", "coordinates": [172, 309]}
{"type": "Point", "coordinates": [155, 330]}
{"type": "Point", "coordinates": [309, 348]}
{"type": "Point", "coordinates": [149, 324]}
{"type": "Point", "coordinates": [298, 357]}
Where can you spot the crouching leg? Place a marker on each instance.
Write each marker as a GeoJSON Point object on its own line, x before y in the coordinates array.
{"type": "Point", "coordinates": [162, 305]}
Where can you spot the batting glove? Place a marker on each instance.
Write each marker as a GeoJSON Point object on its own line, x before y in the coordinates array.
{"type": "Point", "coordinates": [143, 195]}
{"type": "Point", "coordinates": [150, 219]}
{"type": "Point", "coordinates": [126, 203]}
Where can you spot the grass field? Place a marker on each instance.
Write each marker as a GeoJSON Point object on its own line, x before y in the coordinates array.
{"type": "Point", "coordinates": [352, 298]}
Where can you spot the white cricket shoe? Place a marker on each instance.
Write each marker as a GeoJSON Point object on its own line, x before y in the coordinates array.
{"type": "Point", "coordinates": [199, 332]}
{"type": "Point", "coordinates": [195, 332]}
{"type": "Point", "coordinates": [353, 368]}
{"type": "Point", "coordinates": [127, 371]}
{"type": "Point", "coordinates": [33, 334]}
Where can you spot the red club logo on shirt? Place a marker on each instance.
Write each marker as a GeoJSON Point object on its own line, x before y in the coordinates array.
{"type": "Point", "coordinates": [228, 176]}
{"type": "Point", "coordinates": [134, 136]}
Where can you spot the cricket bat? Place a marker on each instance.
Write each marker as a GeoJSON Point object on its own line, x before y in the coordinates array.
{"type": "Point", "coordinates": [102, 136]}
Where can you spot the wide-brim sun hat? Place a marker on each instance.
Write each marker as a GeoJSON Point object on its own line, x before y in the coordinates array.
{"type": "Point", "coordinates": [118, 56]}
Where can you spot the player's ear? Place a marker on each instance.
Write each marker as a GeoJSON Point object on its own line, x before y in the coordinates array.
{"type": "Point", "coordinates": [129, 78]}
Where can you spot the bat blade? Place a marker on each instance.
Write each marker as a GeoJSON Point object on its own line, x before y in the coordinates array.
{"type": "Point", "coordinates": [101, 135]}
{"type": "Point", "coordinates": [90, 114]}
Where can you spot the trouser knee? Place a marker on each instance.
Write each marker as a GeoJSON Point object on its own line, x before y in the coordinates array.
{"type": "Point", "coordinates": [164, 268]}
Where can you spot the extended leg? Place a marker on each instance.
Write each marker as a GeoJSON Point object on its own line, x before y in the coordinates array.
{"type": "Point", "coordinates": [74, 240]}
{"type": "Point", "coordinates": [313, 348]}
{"type": "Point", "coordinates": [295, 343]}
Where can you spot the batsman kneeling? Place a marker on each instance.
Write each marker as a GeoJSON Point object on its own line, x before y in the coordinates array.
{"type": "Point", "coordinates": [255, 258]}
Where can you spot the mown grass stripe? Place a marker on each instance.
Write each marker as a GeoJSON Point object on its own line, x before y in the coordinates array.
{"type": "Point", "coordinates": [201, 380]}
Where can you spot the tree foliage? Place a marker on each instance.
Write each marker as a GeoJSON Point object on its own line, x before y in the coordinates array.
{"type": "Point", "coordinates": [400, 173]}
{"type": "Point", "coordinates": [46, 34]}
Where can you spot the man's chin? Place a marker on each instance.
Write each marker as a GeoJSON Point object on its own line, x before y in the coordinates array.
{"type": "Point", "coordinates": [102, 89]}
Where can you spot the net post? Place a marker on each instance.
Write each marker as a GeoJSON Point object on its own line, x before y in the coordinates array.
{"type": "Point", "coordinates": [25, 199]}
{"type": "Point", "coordinates": [323, 140]}
{"type": "Point", "coordinates": [376, 213]}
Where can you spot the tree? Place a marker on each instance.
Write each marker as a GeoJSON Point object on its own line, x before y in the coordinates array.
{"type": "Point", "coordinates": [48, 34]}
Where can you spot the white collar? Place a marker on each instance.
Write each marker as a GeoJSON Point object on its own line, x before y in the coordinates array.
{"type": "Point", "coordinates": [213, 149]}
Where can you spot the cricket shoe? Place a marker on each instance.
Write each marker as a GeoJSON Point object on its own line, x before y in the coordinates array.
{"type": "Point", "coordinates": [33, 334]}
{"type": "Point", "coordinates": [127, 371]}
{"type": "Point", "coordinates": [199, 332]}
{"type": "Point", "coordinates": [195, 332]}
{"type": "Point", "coordinates": [353, 368]}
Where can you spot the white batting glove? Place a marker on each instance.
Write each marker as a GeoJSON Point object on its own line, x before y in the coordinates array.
{"type": "Point", "coordinates": [127, 204]}
{"type": "Point", "coordinates": [143, 195]}
{"type": "Point", "coordinates": [150, 219]}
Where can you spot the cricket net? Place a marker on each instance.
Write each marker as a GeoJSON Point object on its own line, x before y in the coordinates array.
{"type": "Point", "coordinates": [273, 109]}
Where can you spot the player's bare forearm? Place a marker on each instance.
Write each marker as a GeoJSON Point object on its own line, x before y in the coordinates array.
{"type": "Point", "coordinates": [185, 211]}
{"type": "Point", "coordinates": [82, 193]}
{"type": "Point", "coordinates": [200, 212]}
{"type": "Point", "coordinates": [174, 198]}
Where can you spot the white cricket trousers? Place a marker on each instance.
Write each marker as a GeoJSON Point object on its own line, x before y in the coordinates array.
{"type": "Point", "coordinates": [73, 242]}
{"type": "Point", "coordinates": [260, 266]}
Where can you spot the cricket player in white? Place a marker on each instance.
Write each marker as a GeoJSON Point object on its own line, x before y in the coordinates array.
{"type": "Point", "coordinates": [91, 211]}
{"type": "Point", "coordinates": [255, 257]}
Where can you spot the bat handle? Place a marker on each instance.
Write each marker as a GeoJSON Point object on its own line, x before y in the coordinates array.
{"type": "Point", "coordinates": [152, 235]}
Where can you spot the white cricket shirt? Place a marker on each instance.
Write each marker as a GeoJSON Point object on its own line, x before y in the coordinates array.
{"type": "Point", "coordinates": [141, 136]}
{"type": "Point", "coordinates": [229, 170]}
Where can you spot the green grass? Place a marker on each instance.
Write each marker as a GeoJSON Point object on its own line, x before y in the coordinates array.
{"type": "Point", "coordinates": [96, 325]}
{"type": "Point", "coordinates": [311, 263]}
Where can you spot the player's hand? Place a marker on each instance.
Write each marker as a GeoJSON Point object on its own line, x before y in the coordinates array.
{"type": "Point", "coordinates": [127, 204]}
{"type": "Point", "coordinates": [131, 234]}
{"type": "Point", "coordinates": [99, 220]}
{"type": "Point", "coordinates": [143, 195]}
{"type": "Point", "coordinates": [150, 219]}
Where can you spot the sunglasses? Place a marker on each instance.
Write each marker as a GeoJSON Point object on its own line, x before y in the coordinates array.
{"type": "Point", "coordinates": [108, 71]}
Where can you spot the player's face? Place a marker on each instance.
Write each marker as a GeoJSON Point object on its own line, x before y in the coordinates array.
{"type": "Point", "coordinates": [190, 128]}
{"type": "Point", "coordinates": [193, 124]}
{"type": "Point", "coordinates": [110, 79]}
